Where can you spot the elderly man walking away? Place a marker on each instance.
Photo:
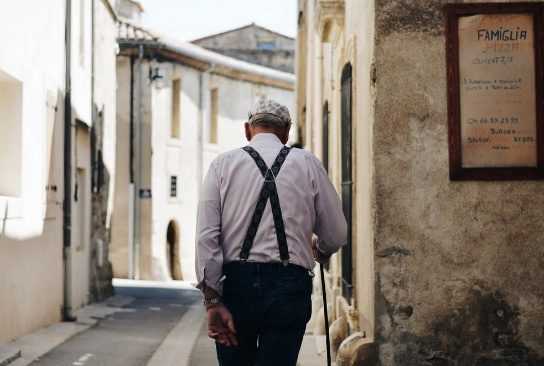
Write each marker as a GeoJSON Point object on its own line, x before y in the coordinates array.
{"type": "Point", "coordinates": [259, 207]}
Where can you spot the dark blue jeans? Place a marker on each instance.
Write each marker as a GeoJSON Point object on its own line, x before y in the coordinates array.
{"type": "Point", "coordinates": [271, 305]}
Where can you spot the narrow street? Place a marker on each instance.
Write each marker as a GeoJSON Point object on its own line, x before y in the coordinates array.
{"type": "Point", "coordinates": [131, 336]}
{"type": "Point", "coordinates": [157, 324]}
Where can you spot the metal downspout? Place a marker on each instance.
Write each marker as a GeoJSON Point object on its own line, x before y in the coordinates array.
{"type": "Point", "coordinates": [67, 202]}
{"type": "Point", "coordinates": [138, 166]}
{"type": "Point", "coordinates": [131, 198]}
{"type": "Point", "coordinates": [94, 111]}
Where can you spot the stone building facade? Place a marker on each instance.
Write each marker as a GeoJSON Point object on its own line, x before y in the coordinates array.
{"type": "Point", "coordinates": [179, 106]}
{"type": "Point", "coordinates": [48, 90]}
{"type": "Point", "coordinates": [254, 44]}
{"type": "Point", "coordinates": [438, 272]}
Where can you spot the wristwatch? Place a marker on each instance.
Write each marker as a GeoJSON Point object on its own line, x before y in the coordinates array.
{"type": "Point", "coordinates": [212, 301]}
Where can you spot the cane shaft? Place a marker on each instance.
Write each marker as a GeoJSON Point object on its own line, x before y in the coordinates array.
{"type": "Point", "coordinates": [326, 312]}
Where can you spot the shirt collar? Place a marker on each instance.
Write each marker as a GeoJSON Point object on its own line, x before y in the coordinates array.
{"type": "Point", "coordinates": [265, 139]}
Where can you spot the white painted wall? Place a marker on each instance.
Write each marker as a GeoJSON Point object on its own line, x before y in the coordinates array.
{"type": "Point", "coordinates": [32, 56]}
{"type": "Point", "coordinates": [38, 66]}
{"type": "Point", "coordinates": [82, 60]}
{"type": "Point", "coordinates": [32, 52]}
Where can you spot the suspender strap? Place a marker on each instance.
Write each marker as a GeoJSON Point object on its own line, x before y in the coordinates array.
{"type": "Point", "coordinates": [269, 190]}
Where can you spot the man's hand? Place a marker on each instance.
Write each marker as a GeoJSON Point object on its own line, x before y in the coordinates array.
{"type": "Point", "coordinates": [221, 325]}
{"type": "Point", "coordinates": [318, 255]}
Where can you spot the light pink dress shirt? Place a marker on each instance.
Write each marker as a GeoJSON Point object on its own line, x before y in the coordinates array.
{"type": "Point", "coordinates": [308, 200]}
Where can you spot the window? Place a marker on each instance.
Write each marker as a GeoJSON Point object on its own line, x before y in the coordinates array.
{"type": "Point", "coordinates": [266, 45]}
{"type": "Point", "coordinates": [82, 5]}
{"type": "Point", "coordinates": [173, 186]}
{"type": "Point", "coordinates": [214, 115]}
{"type": "Point", "coordinates": [176, 118]}
{"type": "Point", "coordinates": [79, 213]}
{"type": "Point", "coordinates": [347, 172]}
{"type": "Point", "coordinates": [326, 136]}
{"type": "Point", "coordinates": [11, 106]}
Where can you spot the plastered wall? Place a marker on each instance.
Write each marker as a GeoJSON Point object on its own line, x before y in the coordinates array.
{"type": "Point", "coordinates": [458, 264]}
{"type": "Point", "coordinates": [31, 219]}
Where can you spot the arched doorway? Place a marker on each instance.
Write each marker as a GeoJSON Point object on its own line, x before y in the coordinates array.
{"type": "Point", "coordinates": [172, 251]}
{"type": "Point", "coordinates": [347, 176]}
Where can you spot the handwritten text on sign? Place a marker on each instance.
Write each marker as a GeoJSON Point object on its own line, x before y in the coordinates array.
{"type": "Point", "coordinates": [497, 91]}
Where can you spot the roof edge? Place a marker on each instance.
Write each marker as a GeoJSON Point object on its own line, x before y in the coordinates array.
{"type": "Point", "coordinates": [240, 28]}
{"type": "Point", "coordinates": [198, 57]}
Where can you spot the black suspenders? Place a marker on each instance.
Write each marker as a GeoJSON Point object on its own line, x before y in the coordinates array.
{"type": "Point", "coordinates": [269, 190]}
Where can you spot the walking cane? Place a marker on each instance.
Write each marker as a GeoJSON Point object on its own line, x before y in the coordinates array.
{"type": "Point", "coordinates": [327, 336]}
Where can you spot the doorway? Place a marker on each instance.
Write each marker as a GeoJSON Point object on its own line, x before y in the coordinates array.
{"type": "Point", "coordinates": [172, 251]}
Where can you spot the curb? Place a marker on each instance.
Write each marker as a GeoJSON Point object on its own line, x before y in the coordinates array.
{"type": "Point", "coordinates": [32, 346]}
{"type": "Point", "coordinates": [8, 354]}
{"type": "Point", "coordinates": [178, 345]}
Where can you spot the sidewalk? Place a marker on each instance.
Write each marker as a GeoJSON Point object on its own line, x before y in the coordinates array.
{"type": "Point", "coordinates": [31, 347]}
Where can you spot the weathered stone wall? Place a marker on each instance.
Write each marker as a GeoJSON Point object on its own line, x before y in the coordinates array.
{"type": "Point", "coordinates": [282, 60]}
{"type": "Point", "coordinates": [103, 141]}
{"type": "Point", "coordinates": [101, 269]}
{"type": "Point", "coordinates": [243, 44]}
{"type": "Point", "coordinates": [246, 38]}
{"type": "Point", "coordinates": [458, 264]}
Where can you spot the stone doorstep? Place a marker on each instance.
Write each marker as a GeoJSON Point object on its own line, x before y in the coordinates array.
{"type": "Point", "coordinates": [8, 354]}
{"type": "Point", "coordinates": [34, 345]}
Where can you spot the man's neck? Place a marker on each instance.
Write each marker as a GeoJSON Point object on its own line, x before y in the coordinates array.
{"type": "Point", "coordinates": [265, 136]}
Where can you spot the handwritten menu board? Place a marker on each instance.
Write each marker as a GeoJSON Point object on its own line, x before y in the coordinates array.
{"type": "Point", "coordinates": [497, 99]}
{"type": "Point", "coordinates": [495, 68]}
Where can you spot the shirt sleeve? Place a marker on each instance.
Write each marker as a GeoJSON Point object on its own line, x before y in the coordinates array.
{"type": "Point", "coordinates": [330, 224]}
{"type": "Point", "coordinates": [209, 254]}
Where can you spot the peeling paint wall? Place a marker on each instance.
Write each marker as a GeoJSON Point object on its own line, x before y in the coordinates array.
{"type": "Point", "coordinates": [103, 149]}
{"type": "Point", "coordinates": [458, 264]}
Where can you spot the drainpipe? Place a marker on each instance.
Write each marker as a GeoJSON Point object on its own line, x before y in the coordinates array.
{"type": "Point", "coordinates": [131, 198]}
{"type": "Point", "coordinates": [67, 314]}
{"type": "Point", "coordinates": [94, 114]}
{"type": "Point", "coordinates": [138, 174]}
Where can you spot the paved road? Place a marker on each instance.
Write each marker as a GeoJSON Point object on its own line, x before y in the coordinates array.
{"type": "Point", "coordinates": [129, 337]}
